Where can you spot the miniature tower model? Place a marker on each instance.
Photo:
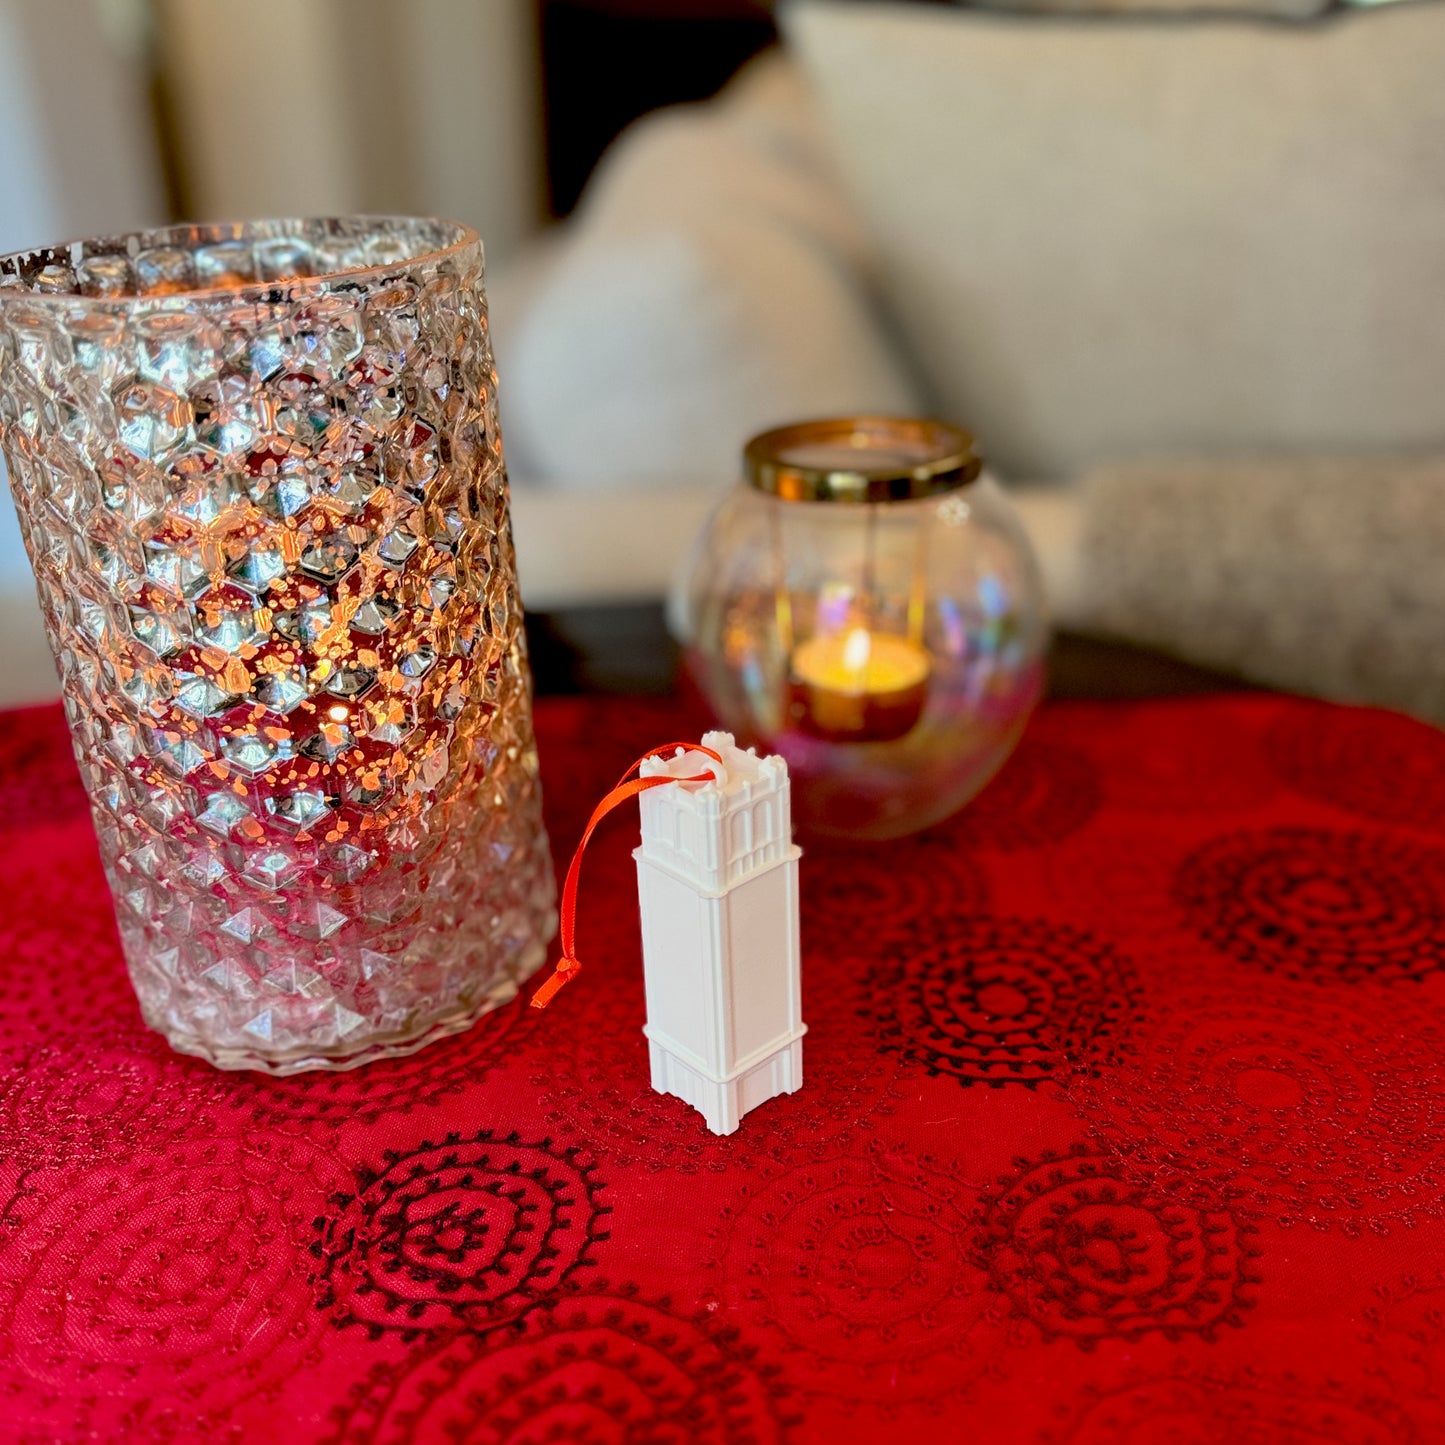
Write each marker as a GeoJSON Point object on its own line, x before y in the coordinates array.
{"type": "Point", "coordinates": [717, 877]}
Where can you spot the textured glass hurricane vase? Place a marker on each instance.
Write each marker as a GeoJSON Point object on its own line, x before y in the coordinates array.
{"type": "Point", "coordinates": [261, 483]}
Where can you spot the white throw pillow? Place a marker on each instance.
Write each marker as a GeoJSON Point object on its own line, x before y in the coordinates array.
{"type": "Point", "coordinates": [714, 284]}
{"type": "Point", "coordinates": [1109, 236]}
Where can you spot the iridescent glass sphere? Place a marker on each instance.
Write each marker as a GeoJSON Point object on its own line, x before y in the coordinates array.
{"type": "Point", "coordinates": [867, 604]}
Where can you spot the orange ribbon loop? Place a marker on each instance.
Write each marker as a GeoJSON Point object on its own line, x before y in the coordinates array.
{"type": "Point", "coordinates": [627, 787]}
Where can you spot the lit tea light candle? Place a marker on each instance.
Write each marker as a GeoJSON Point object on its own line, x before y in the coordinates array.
{"type": "Point", "coordinates": [858, 686]}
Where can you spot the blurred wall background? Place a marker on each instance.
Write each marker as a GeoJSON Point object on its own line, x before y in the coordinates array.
{"type": "Point", "coordinates": [81, 156]}
{"type": "Point", "coordinates": [426, 106]}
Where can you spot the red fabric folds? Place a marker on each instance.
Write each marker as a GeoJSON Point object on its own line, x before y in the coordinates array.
{"type": "Point", "coordinates": [1123, 1120]}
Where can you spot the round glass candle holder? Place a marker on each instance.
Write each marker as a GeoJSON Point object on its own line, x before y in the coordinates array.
{"type": "Point", "coordinates": [866, 603]}
{"type": "Point", "coordinates": [261, 484]}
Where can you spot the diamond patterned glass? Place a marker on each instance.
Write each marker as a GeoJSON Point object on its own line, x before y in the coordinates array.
{"type": "Point", "coordinates": [260, 478]}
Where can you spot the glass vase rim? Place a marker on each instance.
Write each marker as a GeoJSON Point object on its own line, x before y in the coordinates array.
{"type": "Point", "coordinates": [192, 235]}
{"type": "Point", "coordinates": [944, 458]}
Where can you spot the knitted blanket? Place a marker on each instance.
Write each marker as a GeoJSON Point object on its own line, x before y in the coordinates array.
{"type": "Point", "coordinates": [1325, 576]}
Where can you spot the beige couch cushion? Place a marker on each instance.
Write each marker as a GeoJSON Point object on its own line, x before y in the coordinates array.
{"type": "Point", "coordinates": [713, 285]}
{"type": "Point", "coordinates": [1109, 237]}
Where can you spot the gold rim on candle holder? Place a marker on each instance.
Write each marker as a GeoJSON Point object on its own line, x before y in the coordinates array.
{"type": "Point", "coordinates": [862, 459]}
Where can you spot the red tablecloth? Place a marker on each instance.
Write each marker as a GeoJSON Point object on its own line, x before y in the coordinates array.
{"type": "Point", "coordinates": [1124, 1120]}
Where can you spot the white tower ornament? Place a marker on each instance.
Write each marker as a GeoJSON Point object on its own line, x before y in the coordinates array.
{"type": "Point", "coordinates": [717, 880]}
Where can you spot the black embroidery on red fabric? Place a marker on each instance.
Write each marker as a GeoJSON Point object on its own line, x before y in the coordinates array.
{"type": "Point", "coordinates": [99, 1093]}
{"type": "Point", "coordinates": [1086, 1253]}
{"type": "Point", "coordinates": [180, 1275]}
{"type": "Point", "coordinates": [466, 1232]}
{"type": "Point", "coordinates": [591, 1368]}
{"type": "Point", "coordinates": [29, 1416]}
{"type": "Point", "coordinates": [847, 898]}
{"type": "Point", "coordinates": [1404, 1335]}
{"type": "Point", "coordinates": [1244, 1406]}
{"type": "Point", "coordinates": [1375, 764]}
{"type": "Point", "coordinates": [863, 1263]}
{"type": "Point", "coordinates": [597, 1081]}
{"type": "Point", "coordinates": [1309, 902]}
{"type": "Point", "coordinates": [161, 1259]}
{"type": "Point", "coordinates": [998, 1000]}
{"type": "Point", "coordinates": [39, 782]}
{"type": "Point", "coordinates": [389, 1087]}
{"type": "Point", "coordinates": [1313, 1108]}
{"type": "Point", "coordinates": [1045, 792]}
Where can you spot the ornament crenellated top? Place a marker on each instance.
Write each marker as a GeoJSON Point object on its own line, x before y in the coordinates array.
{"type": "Point", "coordinates": [715, 833]}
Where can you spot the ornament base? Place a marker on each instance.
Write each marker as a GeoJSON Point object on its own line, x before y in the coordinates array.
{"type": "Point", "coordinates": [723, 1102]}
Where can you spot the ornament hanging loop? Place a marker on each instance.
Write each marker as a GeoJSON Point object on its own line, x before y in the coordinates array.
{"type": "Point", "coordinates": [569, 966]}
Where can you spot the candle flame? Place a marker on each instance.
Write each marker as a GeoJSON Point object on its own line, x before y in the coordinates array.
{"type": "Point", "coordinates": [857, 647]}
